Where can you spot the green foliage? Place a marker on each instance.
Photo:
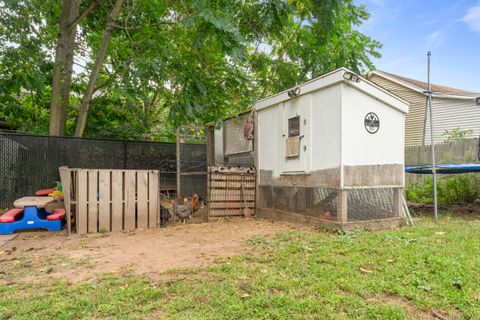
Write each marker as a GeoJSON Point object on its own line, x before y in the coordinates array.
{"type": "Point", "coordinates": [456, 134]}
{"type": "Point", "coordinates": [453, 189]}
{"type": "Point", "coordinates": [175, 62]}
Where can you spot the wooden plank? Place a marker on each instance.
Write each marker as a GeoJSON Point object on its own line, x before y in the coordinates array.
{"type": "Point", "coordinates": [142, 199]}
{"type": "Point", "coordinates": [66, 179]}
{"type": "Point", "coordinates": [193, 173]}
{"type": "Point", "coordinates": [117, 200]}
{"type": "Point", "coordinates": [75, 197]}
{"type": "Point", "coordinates": [224, 212]}
{"type": "Point", "coordinates": [249, 178]}
{"type": "Point", "coordinates": [92, 200]}
{"type": "Point", "coordinates": [231, 205]}
{"type": "Point", "coordinates": [232, 195]}
{"type": "Point", "coordinates": [234, 185]}
{"type": "Point", "coordinates": [153, 201]}
{"type": "Point", "coordinates": [129, 200]}
{"type": "Point", "coordinates": [104, 199]}
{"type": "Point", "coordinates": [82, 201]}
{"type": "Point", "coordinates": [179, 168]}
{"type": "Point", "coordinates": [232, 198]}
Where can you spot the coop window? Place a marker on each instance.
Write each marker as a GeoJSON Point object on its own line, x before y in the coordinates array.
{"type": "Point", "coordinates": [294, 127]}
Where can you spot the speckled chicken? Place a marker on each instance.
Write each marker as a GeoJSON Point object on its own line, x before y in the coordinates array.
{"type": "Point", "coordinates": [182, 211]}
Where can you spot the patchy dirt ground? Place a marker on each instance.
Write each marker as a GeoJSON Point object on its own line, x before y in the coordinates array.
{"type": "Point", "coordinates": [33, 256]}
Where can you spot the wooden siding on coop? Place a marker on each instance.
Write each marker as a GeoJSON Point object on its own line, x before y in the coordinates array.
{"type": "Point", "coordinates": [231, 191]}
{"type": "Point", "coordinates": [111, 200]}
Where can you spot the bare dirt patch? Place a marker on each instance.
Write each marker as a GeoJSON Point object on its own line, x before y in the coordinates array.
{"type": "Point", "coordinates": [467, 211]}
{"type": "Point", "coordinates": [411, 311]}
{"type": "Point", "coordinates": [33, 256]}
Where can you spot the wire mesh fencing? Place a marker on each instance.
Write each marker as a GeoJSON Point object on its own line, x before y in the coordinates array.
{"type": "Point", "coordinates": [370, 204]}
{"type": "Point", "coordinates": [29, 163]}
{"type": "Point", "coordinates": [315, 202]}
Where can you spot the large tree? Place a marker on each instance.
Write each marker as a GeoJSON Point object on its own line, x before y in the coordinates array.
{"type": "Point", "coordinates": [145, 66]}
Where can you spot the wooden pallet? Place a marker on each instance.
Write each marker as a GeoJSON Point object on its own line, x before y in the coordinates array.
{"type": "Point", "coordinates": [231, 191]}
{"type": "Point", "coordinates": [111, 200]}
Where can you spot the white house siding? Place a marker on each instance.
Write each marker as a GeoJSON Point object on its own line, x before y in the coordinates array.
{"type": "Point", "coordinates": [415, 119]}
{"type": "Point", "coordinates": [359, 147]}
{"type": "Point", "coordinates": [450, 114]}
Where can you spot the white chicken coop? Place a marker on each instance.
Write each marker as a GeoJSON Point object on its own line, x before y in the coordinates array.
{"type": "Point", "coordinates": [331, 152]}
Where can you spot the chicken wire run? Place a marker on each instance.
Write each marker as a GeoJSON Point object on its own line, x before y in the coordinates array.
{"type": "Point", "coordinates": [310, 201]}
{"type": "Point", "coordinates": [29, 162]}
{"type": "Point", "coordinates": [370, 204]}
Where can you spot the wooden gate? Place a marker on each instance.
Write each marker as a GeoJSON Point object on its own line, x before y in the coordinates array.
{"type": "Point", "coordinates": [231, 191]}
{"type": "Point", "coordinates": [102, 200]}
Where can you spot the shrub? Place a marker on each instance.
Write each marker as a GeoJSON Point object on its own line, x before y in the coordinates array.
{"type": "Point", "coordinates": [462, 188]}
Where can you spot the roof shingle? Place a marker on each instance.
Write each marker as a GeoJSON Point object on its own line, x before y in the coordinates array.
{"type": "Point", "coordinates": [435, 87]}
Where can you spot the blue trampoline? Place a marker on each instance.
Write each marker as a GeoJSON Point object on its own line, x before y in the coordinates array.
{"type": "Point", "coordinates": [444, 168]}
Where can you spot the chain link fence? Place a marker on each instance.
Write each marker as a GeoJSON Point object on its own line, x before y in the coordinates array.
{"type": "Point", "coordinates": [29, 163]}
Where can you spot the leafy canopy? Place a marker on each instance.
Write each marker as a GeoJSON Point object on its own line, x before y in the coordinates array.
{"type": "Point", "coordinates": [175, 62]}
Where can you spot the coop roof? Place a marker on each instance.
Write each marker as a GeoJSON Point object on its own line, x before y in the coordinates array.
{"type": "Point", "coordinates": [332, 78]}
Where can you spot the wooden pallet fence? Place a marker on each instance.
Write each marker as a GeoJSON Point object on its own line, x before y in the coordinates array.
{"type": "Point", "coordinates": [102, 200]}
{"type": "Point", "coordinates": [231, 191]}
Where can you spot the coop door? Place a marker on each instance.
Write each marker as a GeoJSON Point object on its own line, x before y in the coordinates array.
{"type": "Point", "coordinates": [296, 134]}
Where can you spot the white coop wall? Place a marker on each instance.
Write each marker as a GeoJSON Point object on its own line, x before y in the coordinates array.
{"type": "Point", "coordinates": [326, 128]}
{"type": "Point", "coordinates": [301, 107]}
{"type": "Point", "coordinates": [218, 152]}
{"type": "Point", "coordinates": [269, 136]}
{"type": "Point", "coordinates": [343, 175]}
{"type": "Point", "coordinates": [359, 147]}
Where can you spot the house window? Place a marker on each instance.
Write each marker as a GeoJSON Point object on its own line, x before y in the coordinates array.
{"type": "Point", "coordinates": [294, 127]}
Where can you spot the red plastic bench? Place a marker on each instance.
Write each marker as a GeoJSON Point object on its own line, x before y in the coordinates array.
{"type": "Point", "coordinates": [10, 216]}
{"type": "Point", "coordinates": [44, 192]}
{"type": "Point", "coordinates": [57, 214]}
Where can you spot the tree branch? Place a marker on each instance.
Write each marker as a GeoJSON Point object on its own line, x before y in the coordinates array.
{"type": "Point", "coordinates": [100, 86]}
{"type": "Point", "coordinates": [82, 15]}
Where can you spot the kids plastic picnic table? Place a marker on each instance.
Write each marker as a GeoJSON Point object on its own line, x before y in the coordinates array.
{"type": "Point", "coordinates": [29, 213]}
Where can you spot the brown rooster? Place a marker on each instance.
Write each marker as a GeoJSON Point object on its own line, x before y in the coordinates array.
{"type": "Point", "coordinates": [195, 202]}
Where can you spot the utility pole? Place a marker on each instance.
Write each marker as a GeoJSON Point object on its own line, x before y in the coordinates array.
{"type": "Point", "coordinates": [434, 167]}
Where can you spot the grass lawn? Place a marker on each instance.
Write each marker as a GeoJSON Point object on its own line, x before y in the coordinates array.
{"type": "Point", "coordinates": [394, 274]}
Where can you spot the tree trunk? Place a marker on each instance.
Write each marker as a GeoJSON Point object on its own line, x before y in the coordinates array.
{"type": "Point", "coordinates": [68, 69]}
{"type": "Point", "coordinates": [102, 51]}
{"type": "Point", "coordinates": [60, 71]}
{"type": "Point", "coordinates": [63, 68]}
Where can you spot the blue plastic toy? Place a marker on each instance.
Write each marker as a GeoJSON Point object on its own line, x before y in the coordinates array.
{"type": "Point", "coordinates": [33, 218]}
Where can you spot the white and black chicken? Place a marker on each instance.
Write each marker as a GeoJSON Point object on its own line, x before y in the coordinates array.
{"type": "Point", "coordinates": [182, 211]}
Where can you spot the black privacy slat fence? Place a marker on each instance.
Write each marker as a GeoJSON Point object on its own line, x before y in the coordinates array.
{"type": "Point", "coordinates": [29, 163]}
